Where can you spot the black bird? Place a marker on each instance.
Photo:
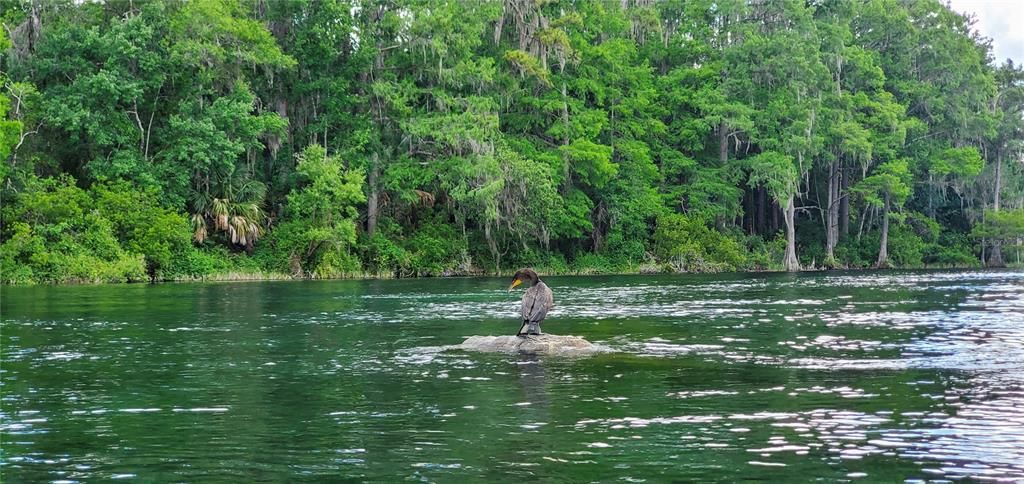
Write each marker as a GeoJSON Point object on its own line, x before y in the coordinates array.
{"type": "Point", "coordinates": [537, 301]}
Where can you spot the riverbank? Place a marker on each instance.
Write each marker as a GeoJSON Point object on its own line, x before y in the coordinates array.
{"type": "Point", "coordinates": [649, 269]}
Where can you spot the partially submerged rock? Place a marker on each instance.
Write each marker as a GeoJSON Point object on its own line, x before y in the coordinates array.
{"type": "Point", "coordinates": [545, 344]}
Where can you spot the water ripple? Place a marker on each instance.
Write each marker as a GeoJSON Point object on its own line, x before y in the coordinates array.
{"type": "Point", "coordinates": [915, 375]}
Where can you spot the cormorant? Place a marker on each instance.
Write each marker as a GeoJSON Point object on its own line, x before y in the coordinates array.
{"type": "Point", "coordinates": [537, 301]}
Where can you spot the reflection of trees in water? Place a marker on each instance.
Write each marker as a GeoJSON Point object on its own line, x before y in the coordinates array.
{"type": "Point", "coordinates": [533, 380]}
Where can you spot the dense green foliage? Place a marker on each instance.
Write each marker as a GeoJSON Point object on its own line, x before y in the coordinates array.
{"type": "Point", "coordinates": [172, 139]}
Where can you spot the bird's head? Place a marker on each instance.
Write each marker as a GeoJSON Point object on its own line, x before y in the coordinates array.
{"type": "Point", "coordinates": [524, 275]}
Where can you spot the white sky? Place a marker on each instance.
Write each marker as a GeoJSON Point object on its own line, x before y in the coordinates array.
{"type": "Point", "coordinates": [1000, 20]}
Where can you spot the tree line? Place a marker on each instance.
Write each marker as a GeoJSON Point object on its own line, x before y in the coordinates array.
{"type": "Point", "coordinates": [178, 139]}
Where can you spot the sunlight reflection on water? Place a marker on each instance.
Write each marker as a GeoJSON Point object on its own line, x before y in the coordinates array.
{"type": "Point", "coordinates": [981, 435]}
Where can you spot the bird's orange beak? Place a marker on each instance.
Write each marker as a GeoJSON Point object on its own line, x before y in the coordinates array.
{"type": "Point", "coordinates": [514, 284]}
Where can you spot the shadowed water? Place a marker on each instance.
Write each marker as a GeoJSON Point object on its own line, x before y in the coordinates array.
{"type": "Point", "coordinates": [877, 376]}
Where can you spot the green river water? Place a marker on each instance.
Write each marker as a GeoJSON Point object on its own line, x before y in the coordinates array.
{"type": "Point", "coordinates": [870, 376]}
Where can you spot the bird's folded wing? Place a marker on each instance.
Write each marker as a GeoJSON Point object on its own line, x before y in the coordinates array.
{"type": "Point", "coordinates": [540, 311]}
{"type": "Point", "coordinates": [538, 307]}
{"type": "Point", "coordinates": [527, 307]}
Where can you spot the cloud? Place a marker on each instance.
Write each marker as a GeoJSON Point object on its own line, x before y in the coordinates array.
{"type": "Point", "coordinates": [999, 20]}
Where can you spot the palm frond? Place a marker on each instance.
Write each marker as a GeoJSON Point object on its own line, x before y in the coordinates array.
{"type": "Point", "coordinates": [249, 191]}
{"type": "Point", "coordinates": [220, 211]}
{"type": "Point", "coordinates": [199, 229]}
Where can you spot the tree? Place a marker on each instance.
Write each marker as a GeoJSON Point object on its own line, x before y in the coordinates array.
{"type": "Point", "coordinates": [53, 232]}
{"type": "Point", "coordinates": [780, 57]}
{"type": "Point", "coordinates": [319, 227]}
{"type": "Point", "coordinates": [888, 187]}
{"type": "Point", "coordinates": [142, 226]}
{"type": "Point", "coordinates": [780, 176]}
{"type": "Point", "coordinates": [9, 129]}
{"type": "Point", "coordinates": [1008, 141]}
{"type": "Point", "coordinates": [1001, 228]}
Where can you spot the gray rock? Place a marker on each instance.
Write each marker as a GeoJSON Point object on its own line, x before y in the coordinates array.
{"type": "Point", "coordinates": [545, 344]}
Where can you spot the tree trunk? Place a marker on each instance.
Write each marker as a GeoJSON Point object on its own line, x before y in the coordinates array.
{"type": "Point", "coordinates": [995, 258]}
{"type": "Point", "coordinates": [748, 211]}
{"type": "Point", "coordinates": [844, 203]}
{"type": "Point", "coordinates": [931, 191]}
{"type": "Point", "coordinates": [883, 246]}
{"type": "Point", "coordinates": [832, 215]}
{"type": "Point", "coordinates": [566, 168]}
{"type": "Point", "coordinates": [377, 112]}
{"type": "Point", "coordinates": [599, 218]}
{"type": "Point", "coordinates": [493, 246]}
{"type": "Point", "coordinates": [790, 261]}
{"type": "Point", "coordinates": [761, 218]}
{"type": "Point", "coordinates": [775, 218]}
{"type": "Point", "coordinates": [372, 201]}
{"type": "Point", "coordinates": [565, 115]}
